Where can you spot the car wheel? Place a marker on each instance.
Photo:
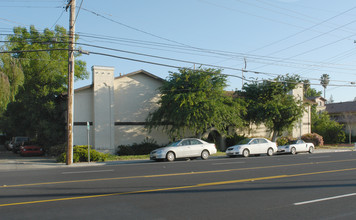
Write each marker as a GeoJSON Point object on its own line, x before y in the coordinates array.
{"type": "Point", "coordinates": [170, 156]}
{"type": "Point", "coordinates": [204, 155]}
{"type": "Point", "coordinates": [270, 152]}
{"type": "Point", "coordinates": [246, 153]}
{"type": "Point", "coordinates": [293, 150]}
{"type": "Point", "coordinates": [311, 150]}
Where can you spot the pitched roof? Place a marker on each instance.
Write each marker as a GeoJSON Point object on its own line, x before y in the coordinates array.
{"type": "Point", "coordinates": [341, 107]}
{"type": "Point", "coordinates": [125, 75]}
{"type": "Point", "coordinates": [143, 72]}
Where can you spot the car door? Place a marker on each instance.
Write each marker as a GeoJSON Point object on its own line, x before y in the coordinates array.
{"type": "Point", "coordinates": [183, 149]}
{"type": "Point", "coordinates": [262, 146]}
{"type": "Point", "coordinates": [254, 146]}
{"type": "Point", "coordinates": [196, 147]}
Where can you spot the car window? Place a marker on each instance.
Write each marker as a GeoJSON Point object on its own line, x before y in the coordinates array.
{"type": "Point", "coordinates": [255, 141]}
{"type": "Point", "coordinates": [185, 142]}
{"type": "Point", "coordinates": [195, 142]}
{"type": "Point", "coordinates": [244, 141]}
{"type": "Point", "coordinates": [262, 141]}
{"type": "Point", "coordinates": [300, 141]}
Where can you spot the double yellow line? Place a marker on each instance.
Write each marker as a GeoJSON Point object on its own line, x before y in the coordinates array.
{"type": "Point", "coordinates": [178, 187]}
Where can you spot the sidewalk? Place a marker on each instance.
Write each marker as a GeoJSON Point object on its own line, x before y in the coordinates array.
{"type": "Point", "coordinates": [10, 161]}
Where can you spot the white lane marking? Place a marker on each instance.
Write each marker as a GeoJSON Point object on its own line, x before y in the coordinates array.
{"type": "Point", "coordinates": [318, 157]}
{"type": "Point", "coordinates": [228, 163]}
{"type": "Point", "coordinates": [324, 199]}
{"type": "Point", "coordinates": [90, 171]}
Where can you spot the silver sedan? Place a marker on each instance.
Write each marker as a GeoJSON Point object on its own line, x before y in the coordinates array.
{"type": "Point", "coordinates": [250, 146]}
{"type": "Point", "coordinates": [185, 148]}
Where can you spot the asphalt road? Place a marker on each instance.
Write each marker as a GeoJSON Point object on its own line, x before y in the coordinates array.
{"type": "Point", "coordinates": [303, 186]}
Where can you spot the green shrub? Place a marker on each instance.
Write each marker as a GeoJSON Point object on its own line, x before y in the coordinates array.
{"type": "Point", "coordinates": [314, 138]}
{"type": "Point", "coordinates": [56, 150]}
{"type": "Point", "coordinates": [233, 140]}
{"type": "Point", "coordinates": [331, 131]}
{"type": "Point", "coordinates": [80, 154]}
{"type": "Point", "coordinates": [145, 147]}
{"type": "Point", "coordinates": [285, 140]}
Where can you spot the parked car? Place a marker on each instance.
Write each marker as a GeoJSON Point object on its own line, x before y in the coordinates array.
{"type": "Point", "coordinates": [185, 148]}
{"type": "Point", "coordinates": [31, 149]}
{"type": "Point", "coordinates": [8, 145]}
{"type": "Point", "coordinates": [17, 142]}
{"type": "Point", "coordinates": [296, 147]}
{"type": "Point", "coordinates": [250, 146]}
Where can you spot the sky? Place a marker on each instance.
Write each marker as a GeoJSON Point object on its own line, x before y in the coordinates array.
{"type": "Point", "coordinates": [266, 38]}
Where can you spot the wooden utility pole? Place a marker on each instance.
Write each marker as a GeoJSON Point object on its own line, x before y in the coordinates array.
{"type": "Point", "coordinates": [70, 107]}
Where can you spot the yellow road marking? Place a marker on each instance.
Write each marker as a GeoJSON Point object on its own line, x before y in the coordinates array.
{"type": "Point", "coordinates": [173, 174]}
{"type": "Point", "coordinates": [178, 187]}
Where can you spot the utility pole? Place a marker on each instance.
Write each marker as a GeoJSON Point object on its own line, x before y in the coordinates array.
{"type": "Point", "coordinates": [70, 107]}
{"type": "Point", "coordinates": [242, 74]}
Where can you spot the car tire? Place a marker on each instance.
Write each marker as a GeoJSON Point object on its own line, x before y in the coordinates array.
{"type": "Point", "coordinates": [204, 155]}
{"type": "Point", "coordinates": [270, 152]}
{"type": "Point", "coordinates": [311, 150]}
{"type": "Point", "coordinates": [170, 156]}
{"type": "Point", "coordinates": [293, 150]}
{"type": "Point", "coordinates": [246, 153]}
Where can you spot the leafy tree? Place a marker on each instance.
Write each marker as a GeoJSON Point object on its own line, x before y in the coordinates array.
{"type": "Point", "coordinates": [270, 103]}
{"type": "Point", "coordinates": [324, 81]}
{"type": "Point", "coordinates": [11, 78]}
{"type": "Point", "coordinates": [194, 100]}
{"type": "Point", "coordinates": [308, 91]}
{"type": "Point", "coordinates": [38, 109]}
{"type": "Point", "coordinates": [331, 131]}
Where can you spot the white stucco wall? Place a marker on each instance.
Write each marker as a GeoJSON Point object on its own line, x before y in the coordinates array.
{"type": "Point", "coordinates": [135, 96]}
{"type": "Point", "coordinates": [83, 112]}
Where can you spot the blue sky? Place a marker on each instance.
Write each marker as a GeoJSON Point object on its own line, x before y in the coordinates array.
{"type": "Point", "coordinates": [274, 37]}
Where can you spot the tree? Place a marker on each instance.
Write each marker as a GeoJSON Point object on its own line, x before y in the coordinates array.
{"type": "Point", "coordinates": [194, 100]}
{"type": "Point", "coordinates": [324, 81]}
{"type": "Point", "coordinates": [308, 91]}
{"type": "Point", "coordinates": [11, 78]}
{"type": "Point", "coordinates": [38, 108]}
{"type": "Point", "coordinates": [269, 103]}
{"type": "Point", "coordinates": [331, 131]}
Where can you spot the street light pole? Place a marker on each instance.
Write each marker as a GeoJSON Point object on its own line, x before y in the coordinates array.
{"type": "Point", "coordinates": [70, 106]}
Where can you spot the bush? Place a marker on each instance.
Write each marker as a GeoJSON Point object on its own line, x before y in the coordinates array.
{"type": "Point", "coordinates": [314, 138]}
{"type": "Point", "coordinates": [284, 140]}
{"type": "Point", "coordinates": [80, 154]}
{"type": "Point", "coordinates": [145, 147]}
{"type": "Point", "coordinates": [56, 150]}
{"type": "Point", "coordinates": [331, 131]}
{"type": "Point", "coordinates": [233, 140]}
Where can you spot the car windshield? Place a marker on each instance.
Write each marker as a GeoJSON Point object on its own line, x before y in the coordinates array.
{"type": "Point", "coordinates": [174, 144]}
{"type": "Point", "coordinates": [245, 141]}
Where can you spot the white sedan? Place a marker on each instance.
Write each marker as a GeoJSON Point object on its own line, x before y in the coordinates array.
{"type": "Point", "coordinates": [186, 148]}
{"type": "Point", "coordinates": [250, 146]}
{"type": "Point", "coordinates": [296, 147]}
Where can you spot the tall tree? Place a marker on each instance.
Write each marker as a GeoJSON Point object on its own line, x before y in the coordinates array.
{"type": "Point", "coordinates": [270, 103]}
{"type": "Point", "coordinates": [11, 78]}
{"type": "Point", "coordinates": [38, 109]}
{"type": "Point", "coordinates": [308, 91]}
{"type": "Point", "coordinates": [324, 81]}
{"type": "Point", "coordinates": [194, 101]}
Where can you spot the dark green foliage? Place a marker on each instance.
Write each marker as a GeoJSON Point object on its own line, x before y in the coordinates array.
{"type": "Point", "coordinates": [284, 140]}
{"type": "Point", "coordinates": [233, 140]}
{"type": "Point", "coordinates": [269, 103]}
{"type": "Point", "coordinates": [195, 100]}
{"type": "Point", "coordinates": [331, 131]}
{"type": "Point", "coordinates": [80, 154]}
{"type": "Point", "coordinates": [56, 150]}
{"type": "Point", "coordinates": [314, 138]}
{"type": "Point", "coordinates": [143, 148]}
{"type": "Point", "coordinates": [39, 107]}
